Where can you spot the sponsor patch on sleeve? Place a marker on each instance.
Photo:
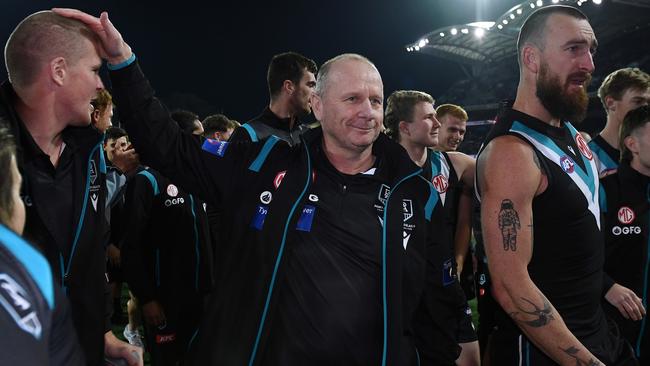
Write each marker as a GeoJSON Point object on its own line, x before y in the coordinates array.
{"type": "Point", "coordinates": [215, 147]}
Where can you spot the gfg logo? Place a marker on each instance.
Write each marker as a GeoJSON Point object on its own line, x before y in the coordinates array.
{"type": "Point", "coordinates": [626, 230]}
{"type": "Point", "coordinates": [174, 201]}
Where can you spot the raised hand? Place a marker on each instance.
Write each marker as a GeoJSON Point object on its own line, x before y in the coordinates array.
{"type": "Point", "coordinates": [114, 49]}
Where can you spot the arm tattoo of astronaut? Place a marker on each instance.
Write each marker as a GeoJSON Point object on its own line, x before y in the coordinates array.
{"type": "Point", "coordinates": [573, 352]}
{"type": "Point", "coordinates": [509, 224]}
{"type": "Point", "coordinates": [541, 315]}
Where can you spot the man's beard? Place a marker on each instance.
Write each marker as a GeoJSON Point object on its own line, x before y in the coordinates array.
{"type": "Point", "coordinates": [299, 108]}
{"type": "Point", "coordinates": [558, 102]}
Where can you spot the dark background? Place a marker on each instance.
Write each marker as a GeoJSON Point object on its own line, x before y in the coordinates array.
{"type": "Point", "coordinates": [213, 58]}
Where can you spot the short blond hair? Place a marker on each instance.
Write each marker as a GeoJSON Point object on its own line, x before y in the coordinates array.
{"type": "Point", "coordinates": [452, 110]}
{"type": "Point", "coordinates": [38, 39]}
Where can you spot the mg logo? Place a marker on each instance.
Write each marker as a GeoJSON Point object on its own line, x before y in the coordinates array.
{"type": "Point", "coordinates": [626, 215]}
{"type": "Point", "coordinates": [584, 149]}
{"type": "Point", "coordinates": [440, 183]}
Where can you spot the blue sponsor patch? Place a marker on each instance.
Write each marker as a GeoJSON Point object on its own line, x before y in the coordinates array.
{"type": "Point", "coordinates": [215, 147]}
{"type": "Point", "coordinates": [260, 215]}
{"type": "Point", "coordinates": [306, 218]}
{"type": "Point", "coordinates": [447, 272]}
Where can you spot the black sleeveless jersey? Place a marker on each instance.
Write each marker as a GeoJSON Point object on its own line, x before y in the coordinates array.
{"type": "Point", "coordinates": [568, 249]}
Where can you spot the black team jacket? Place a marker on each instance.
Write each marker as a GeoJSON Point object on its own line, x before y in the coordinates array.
{"type": "Point", "coordinates": [79, 266]}
{"type": "Point", "coordinates": [250, 262]}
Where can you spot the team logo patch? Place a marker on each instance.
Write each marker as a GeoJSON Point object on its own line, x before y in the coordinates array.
{"type": "Point", "coordinates": [626, 215]}
{"type": "Point", "coordinates": [215, 147]}
{"type": "Point", "coordinates": [584, 149]}
{"type": "Point", "coordinates": [172, 191]}
{"type": "Point", "coordinates": [278, 179]}
{"type": "Point", "coordinates": [481, 279]}
{"type": "Point", "coordinates": [93, 172]}
{"type": "Point", "coordinates": [16, 301]}
{"type": "Point", "coordinates": [313, 198]}
{"type": "Point", "coordinates": [384, 191]}
{"type": "Point", "coordinates": [440, 183]}
{"type": "Point", "coordinates": [266, 197]}
{"type": "Point", "coordinates": [407, 209]}
{"type": "Point", "coordinates": [567, 164]}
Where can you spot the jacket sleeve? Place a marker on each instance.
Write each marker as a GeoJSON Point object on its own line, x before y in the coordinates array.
{"type": "Point", "coordinates": [209, 172]}
{"type": "Point", "coordinates": [64, 347]}
{"type": "Point", "coordinates": [137, 251]}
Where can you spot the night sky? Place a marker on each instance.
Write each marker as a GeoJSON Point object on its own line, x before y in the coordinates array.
{"type": "Point", "coordinates": [218, 54]}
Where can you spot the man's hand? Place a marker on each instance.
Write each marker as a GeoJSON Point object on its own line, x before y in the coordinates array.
{"type": "Point", "coordinates": [116, 348]}
{"type": "Point", "coordinates": [153, 313]}
{"type": "Point", "coordinates": [113, 254]}
{"type": "Point", "coordinates": [626, 301]}
{"type": "Point", "coordinates": [127, 161]}
{"type": "Point", "coordinates": [115, 50]}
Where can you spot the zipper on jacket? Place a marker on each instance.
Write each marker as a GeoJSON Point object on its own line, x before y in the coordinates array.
{"type": "Point", "coordinates": [383, 265]}
{"type": "Point", "coordinates": [196, 245]}
{"type": "Point", "coordinates": [65, 269]}
{"type": "Point", "coordinates": [279, 257]}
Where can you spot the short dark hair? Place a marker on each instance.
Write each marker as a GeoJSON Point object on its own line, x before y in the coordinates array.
{"type": "Point", "coordinates": [217, 123]}
{"type": "Point", "coordinates": [619, 81]}
{"type": "Point", "coordinates": [7, 152]}
{"type": "Point", "coordinates": [287, 66]}
{"type": "Point", "coordinates": [114, 133]}
{"type": "Point", "coordinates": [534, 28]}
{"type": "Point", "coordinates": [400, 107]}
{"type": "Point", "coordinates": [185, 119]}
{"type": "Point", "coordinates": [633, 120]}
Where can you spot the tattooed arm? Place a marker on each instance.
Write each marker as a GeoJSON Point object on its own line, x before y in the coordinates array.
{"type": "Point", "coordinates": [509, 177]}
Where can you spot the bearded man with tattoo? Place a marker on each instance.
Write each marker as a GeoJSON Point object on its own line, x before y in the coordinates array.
{"type": "Point", "coordinates": [535, 170]}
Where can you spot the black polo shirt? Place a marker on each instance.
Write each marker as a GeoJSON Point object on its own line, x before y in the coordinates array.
{"type": "Point", "coordinates": [329, 309]}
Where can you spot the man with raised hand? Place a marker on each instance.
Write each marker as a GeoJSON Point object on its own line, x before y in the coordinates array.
{"type": "Point", "coordinates": [52, 64]}
{"type": "Point", "coordinates": [324, 253]}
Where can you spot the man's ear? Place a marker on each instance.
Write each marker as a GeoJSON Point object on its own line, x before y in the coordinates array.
{"type": "Point", "coordinates": [530, 58]}
{"type": "Point", "coordinates": [610, 102]}
{"type": "Point", "coordinates": [631, 144]}
{"type": "Point", "coordinates": [58, 69]}
{"type": "Point", "coordinates": [403, 127]}
{"type": "Point", "coordinates": [317, 106]}
{"type": "Point", "coordinates": [289, 87]}
{"type": "Point", "coordinates": [96, 115]}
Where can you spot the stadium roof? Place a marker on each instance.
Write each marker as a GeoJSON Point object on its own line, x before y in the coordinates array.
{"type": "Point", "coordinates": [481, 43]}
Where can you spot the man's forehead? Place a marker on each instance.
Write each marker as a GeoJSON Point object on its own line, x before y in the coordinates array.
{"type": "Point", "coordinates": [563, 28]}
{"type": "Point", "coordinates": [449, 119]}
{"type": "Point", "coordinates": [346, 74]}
